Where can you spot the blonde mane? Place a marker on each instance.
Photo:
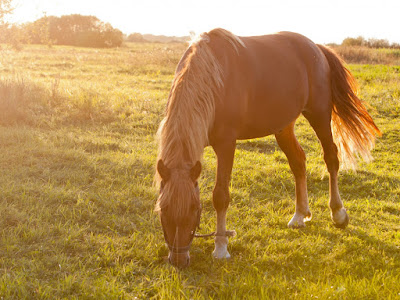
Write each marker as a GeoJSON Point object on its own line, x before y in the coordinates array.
{"type": "Point", "coordinates": [190, 112]}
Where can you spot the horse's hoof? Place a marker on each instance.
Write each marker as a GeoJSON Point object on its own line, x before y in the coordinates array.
{"type": "Point", "coordinates": [298, 220]}
{"type": "Point", "coordinates": [221, 254]}
{"type": "Point", "coordinates": [221, 248]}
{"type": "Point", "coordinates": [344, 220]}
{"type": "Point", "coordinates": [296, 224]}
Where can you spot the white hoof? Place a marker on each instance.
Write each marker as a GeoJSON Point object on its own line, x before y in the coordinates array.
{"type": "Point", "coordinates": [221, 254]}
{"type": "Point", "coordinates": [298, 220]}
{"type": "Point", "coordinates": [221, 248]}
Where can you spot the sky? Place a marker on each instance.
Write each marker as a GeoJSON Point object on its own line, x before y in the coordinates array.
{"type": "Point", "coordinates": [322, 21]}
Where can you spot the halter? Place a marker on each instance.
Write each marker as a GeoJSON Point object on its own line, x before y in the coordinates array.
{"type": "Point", "coordinates": [193, 234]}
{"type": "Point", "coordinates": [180, 250]}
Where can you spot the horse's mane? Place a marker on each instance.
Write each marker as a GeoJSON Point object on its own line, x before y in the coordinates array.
{"type": "Point", "coordinates": [183, 133]}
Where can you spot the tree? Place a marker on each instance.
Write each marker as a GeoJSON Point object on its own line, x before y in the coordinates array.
{"type": "Point", "coordinates": [359, 41]}
{"type": "Point", "coordinates": [135, 38]}
{"type": "Point", "coordinates": [369, 43]}
{"type": "Point", "coordinates": [5, 9]}
{"type": "Point", "coordinates": [74, 30]}
{"type": "Point", "coordinates": [378, 43]}
{"type": "Point", "coordinates": [5, 32]}
{"type": "Point", "coordinates": [37, 32]}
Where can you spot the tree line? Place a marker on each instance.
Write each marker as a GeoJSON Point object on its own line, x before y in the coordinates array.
{"type": "Point", "coordinates": [369, 43]}
{"type": "Point", "coordinates": [150, 38]}
{"type": "Point", "coordinates": [74, 30]}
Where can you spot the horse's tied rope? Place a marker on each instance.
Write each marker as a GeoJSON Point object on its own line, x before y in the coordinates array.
{"type": "Point", "coordinates": [227, 233]}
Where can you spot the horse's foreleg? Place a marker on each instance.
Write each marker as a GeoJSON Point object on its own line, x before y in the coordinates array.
{"type": "Point", "coordinates": [225, 151]}
{"type": "Point", "coordinates": [297, 160]}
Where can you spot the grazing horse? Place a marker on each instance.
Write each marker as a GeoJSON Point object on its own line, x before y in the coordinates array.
{"type": "Point", "coordinates": [228, 88]}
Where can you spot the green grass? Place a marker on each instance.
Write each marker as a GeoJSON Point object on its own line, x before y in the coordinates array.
{"type": "Point", "coordinates": [76, 191]}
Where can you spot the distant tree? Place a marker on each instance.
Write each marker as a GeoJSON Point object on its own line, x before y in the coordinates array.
{"type": "Point", "coordinates": [377, 43]}
{"type": "Point", "coordinates": [5, 9]}
{"type": "Point", "coordinates": [38, 32]}
{"type": "Point", "coordinates": [135, 38]}
{"type": "Point", "coordinates": [12, 35]}
{"type": "Point", "coordinates": [360, 41]}
{"type": "Point", "coordinates": [370, 43]}
{"type": "Point", "coordinates": [110, 36]}
{"type": "Point", "coordinates": [395, 46]}
{"type": "Point", "coordinates": [75, 30]}
{"type": "Point", "coordinates": [8, 34]}
{"type": "Point", "coordinates": [165, 39]}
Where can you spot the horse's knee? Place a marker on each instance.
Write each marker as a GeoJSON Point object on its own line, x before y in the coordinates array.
{"type": "Point", "coordinates": [221, 198]}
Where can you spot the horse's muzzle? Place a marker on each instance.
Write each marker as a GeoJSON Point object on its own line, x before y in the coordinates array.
{"type": "Point", "coordinates": [180, 260]}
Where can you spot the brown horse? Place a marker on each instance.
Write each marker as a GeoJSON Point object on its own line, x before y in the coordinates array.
{"type": "Point", "coordinates": [228, 88]}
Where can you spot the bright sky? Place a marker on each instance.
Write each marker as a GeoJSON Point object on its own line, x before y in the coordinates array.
{"type": "Point", "coordinates": [323, 21]}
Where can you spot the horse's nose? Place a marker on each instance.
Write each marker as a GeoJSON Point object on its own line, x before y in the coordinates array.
{"type": "Point", "coordinates": [180, 260]}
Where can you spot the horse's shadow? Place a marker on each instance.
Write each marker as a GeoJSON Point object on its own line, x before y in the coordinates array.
{"type": "Point", "coordinates": [352, 185]}
{"type": "Point", "coordinates": [363, 185]}
{"type": "Point", "coordinates": [259, 145]}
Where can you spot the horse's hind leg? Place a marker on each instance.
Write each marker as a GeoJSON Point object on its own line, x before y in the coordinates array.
{"type": "Point", "coordinates": [297, 160]}
{"type": "Point", "coordinates": [321, 123]}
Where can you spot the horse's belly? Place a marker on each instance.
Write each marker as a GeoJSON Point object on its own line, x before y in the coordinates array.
{"type": "Point", "coordinates": [263, 127]}
{"type": "Point", "coordinates": [265, 116]}
{"type": "Point", "coordinates": [273, 101]}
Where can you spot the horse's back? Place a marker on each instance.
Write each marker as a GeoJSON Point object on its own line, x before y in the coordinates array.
{"type": "Point", "coordinates": [271, 82]}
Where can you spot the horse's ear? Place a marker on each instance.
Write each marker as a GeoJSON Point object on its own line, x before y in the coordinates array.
{"type": "Point", "coordinates": [162, 169]}
{"type": "Point", "coordinates": [195, 171]}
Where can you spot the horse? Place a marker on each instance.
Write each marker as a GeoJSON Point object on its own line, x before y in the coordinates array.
{"type": "Point", "coordinates": [228, 88]}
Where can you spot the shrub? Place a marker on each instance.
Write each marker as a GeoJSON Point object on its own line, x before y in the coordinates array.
{"type": "Point", "coordinates": [365, 55]}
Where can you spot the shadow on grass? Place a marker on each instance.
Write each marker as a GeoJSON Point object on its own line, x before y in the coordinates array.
{"type": "Point", "coordinates": [353, 186]}
{"type": "Point", "coordinates": [364, 184]}
{"type": "Point", "coordinates": [355, 246]}
{"type": "Point", "coordinates": [259, 145]}
{"type": "Point", "coordinates": [350, 252]}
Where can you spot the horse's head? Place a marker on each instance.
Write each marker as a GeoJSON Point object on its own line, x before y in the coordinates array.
{"type": "Point", "coordinates": [179, 208]}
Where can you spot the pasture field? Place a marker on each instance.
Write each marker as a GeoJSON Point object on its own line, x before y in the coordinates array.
{"type": "Point", "coordinates": [77, 159]}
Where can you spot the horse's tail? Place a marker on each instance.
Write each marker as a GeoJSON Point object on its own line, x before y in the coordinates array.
{"type": "Point", "coordinates": [353, 129]}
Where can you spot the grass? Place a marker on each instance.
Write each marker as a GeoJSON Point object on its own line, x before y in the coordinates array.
{"type": "Point", "coordinates": [76, 194]}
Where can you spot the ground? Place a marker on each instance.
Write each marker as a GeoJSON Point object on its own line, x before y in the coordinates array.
{"type": "Point", "coordinates": [77, 160]}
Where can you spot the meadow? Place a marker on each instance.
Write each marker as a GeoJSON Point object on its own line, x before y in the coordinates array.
{"type": "Point", "coordinates": [77, 160]}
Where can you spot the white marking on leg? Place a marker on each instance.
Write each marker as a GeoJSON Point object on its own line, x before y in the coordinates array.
{"type": "Point", "coordinates": [303, 213]}
{"type": "Point", "coordinates": [221, 247]}
{"type": "Point", "coordinates": [221, 241]}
